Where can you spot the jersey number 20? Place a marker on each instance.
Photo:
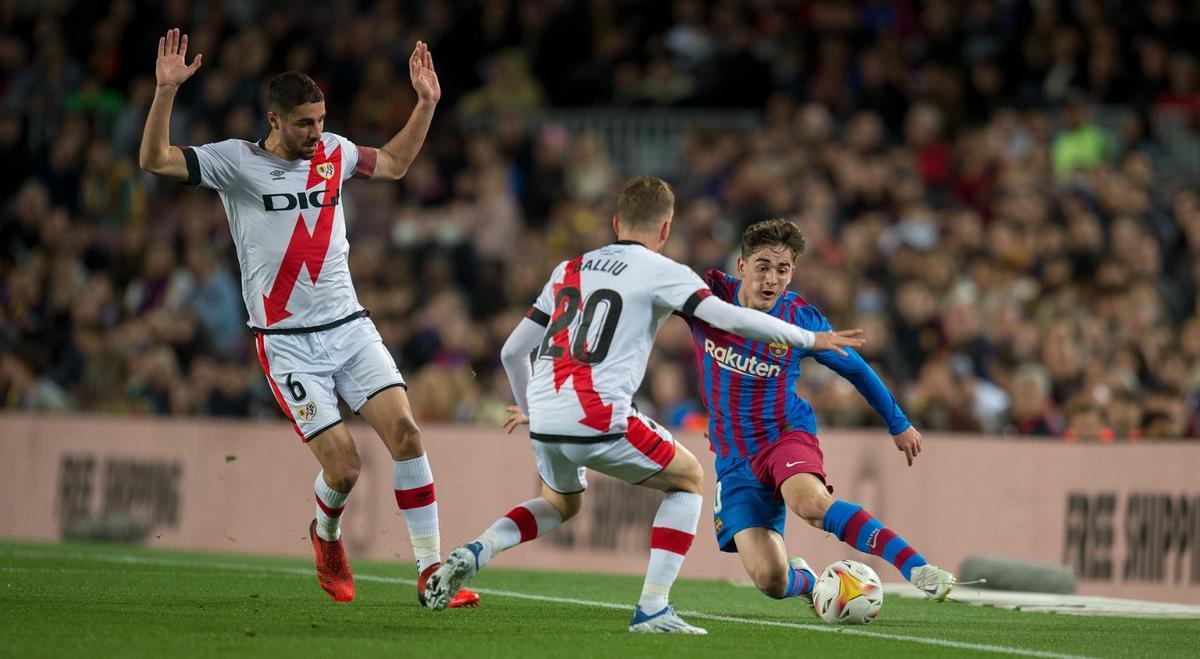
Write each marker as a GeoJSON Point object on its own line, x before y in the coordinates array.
{"type": "Point", "coordinates": [567, 305]}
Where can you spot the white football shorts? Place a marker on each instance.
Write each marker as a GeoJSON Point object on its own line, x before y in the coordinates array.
{"type": "Point", "coordinates": [646, 449]}
{"type": "Point", "coordinates": [307, 372]}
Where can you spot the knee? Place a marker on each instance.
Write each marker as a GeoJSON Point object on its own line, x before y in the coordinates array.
{"type": "Point", "coordinates": [342, 475]}
{"type": "Point", "coordinates": [567, 505]}
{"type": "Point", "coordinates": [690, 476]}
{"type": "Point", "coordinates": [771, 582]}
{"type": "Point", "coordinates": [404, 438]}
{"type": "Point", "coordinates": [812, 508]}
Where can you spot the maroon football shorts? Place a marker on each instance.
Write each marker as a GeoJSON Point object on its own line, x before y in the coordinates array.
{"type": "Point", "coordinates": [796, 452]}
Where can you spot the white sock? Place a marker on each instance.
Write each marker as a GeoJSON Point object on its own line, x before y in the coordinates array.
{"type": "Point", "coordinates": [413, 482]}
{"type": "Point", "coordinates": [532, 519]}
{"type": "Point", "coordinates": [330, 504]}
{"type": "Point", "coordinates": [674, 530]}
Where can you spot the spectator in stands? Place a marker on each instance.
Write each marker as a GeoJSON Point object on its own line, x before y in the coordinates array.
{"type": "Point", "coordinates": [1123, 413]}
{"type": "Point", "coordinates": [1013, 191]}
{"type": "Point", "coordinates": [22, 388]}
{"type": "Point", "coordinates": [1033, 411]}
{"type": "Point", "coordinates": [1085, 422]}
{"type": "Point", "coordinates": [1081, 144]}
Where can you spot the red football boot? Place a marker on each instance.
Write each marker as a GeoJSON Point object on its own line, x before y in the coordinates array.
{"type": "Point", "coordinates": [333, 570]}
{"type": "Point", "coordinates": [464, 598]}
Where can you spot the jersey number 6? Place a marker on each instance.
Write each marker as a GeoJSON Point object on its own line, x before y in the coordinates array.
{"type": "Point", "coordinates": [566, 307]}
{"type": "Point", "coordinates": [295, 388]}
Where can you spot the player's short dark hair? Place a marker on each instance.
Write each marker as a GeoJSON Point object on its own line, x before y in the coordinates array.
{"type": "Point", "coordinates": [773, 233]}
{"type": "Point", "coordinates": [287, 90]}
{"type": "Point", "coordinates": [644, 202]}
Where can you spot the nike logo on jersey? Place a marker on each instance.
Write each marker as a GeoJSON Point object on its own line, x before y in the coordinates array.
{"type": "Point", "coordinates": [728, 359]}
{"type": "Point", "coordinates": [793, 464]}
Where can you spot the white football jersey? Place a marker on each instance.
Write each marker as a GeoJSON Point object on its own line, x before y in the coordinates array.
{"type": "Point", "coordinates": [601, 312]}
{"type": "Point", "coordinates": [288, 226]}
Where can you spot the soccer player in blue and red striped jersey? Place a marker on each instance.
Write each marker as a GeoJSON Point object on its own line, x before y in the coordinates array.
{"type": "Point", "coordinates": [574, 363]}
{"type": "Point", "coordinates": [764, 434]}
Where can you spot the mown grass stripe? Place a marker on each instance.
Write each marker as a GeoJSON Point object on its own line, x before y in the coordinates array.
{"type": "Point", "coordinates": [128, 559]}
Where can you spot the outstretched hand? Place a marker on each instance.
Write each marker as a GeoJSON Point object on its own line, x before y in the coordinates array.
{"type": "Point", "coordinates": [515, 418]}
{"type": "Point", "coordinates": [424, 78]}
{"type": "Point", "coordinates": [836, 341]}
{"type": "Point", "coordinates": [909, 442]}
{"type": "Point", "coordinates": [171, 70]}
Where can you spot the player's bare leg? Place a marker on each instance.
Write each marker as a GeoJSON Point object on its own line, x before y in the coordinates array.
{"type": "Point", "coordinates": [764, 556]}
{"type": "Point", "coordinates": [528, 521]}
{"type": "Point", "coordinates": [340, 466]}
{"type": "Point", "coordinates": [808, 497]}
{"type": "Point", "coordinates": [672, 535]}
{"type": "Point", "coordinates": [390, 415]}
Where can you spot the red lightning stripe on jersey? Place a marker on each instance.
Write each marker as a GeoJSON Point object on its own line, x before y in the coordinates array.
{"type": "Point", "coordinates": [596, 414]}
{"type": "Point", "coordinates": [304, 248]}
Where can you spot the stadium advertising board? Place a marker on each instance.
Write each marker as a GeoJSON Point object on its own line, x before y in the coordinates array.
{"type": "Point", "coordinates": [1124, 518]}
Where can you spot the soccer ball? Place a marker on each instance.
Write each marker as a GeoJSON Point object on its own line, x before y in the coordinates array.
{"type": "Point", "coordinates": [848, 593]}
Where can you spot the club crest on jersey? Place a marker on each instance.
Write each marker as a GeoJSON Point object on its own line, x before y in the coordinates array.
{"type": "Point", "coordinates": [307, 412]}
{"type": "Point", "coordinates": [779, 350]}
{"type": "Point", "coordinates": [325, 170]}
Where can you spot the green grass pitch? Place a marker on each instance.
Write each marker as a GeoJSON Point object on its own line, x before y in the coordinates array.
{"type": "Point", "coordinates": [83, 600]}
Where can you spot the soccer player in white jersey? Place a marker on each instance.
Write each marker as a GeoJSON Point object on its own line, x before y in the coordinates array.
{"type": "Point", "coordinates": [589, 334]}
{"type": "Point", "coordinates": [282, 195]}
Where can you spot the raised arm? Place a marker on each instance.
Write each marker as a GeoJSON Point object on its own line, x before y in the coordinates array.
{"type": "Point", "coordinates": [156, 155]}
{"type": "Point", "coordinates": [762, 327]}
{"type": "Point", "coordinates": [398, 154]}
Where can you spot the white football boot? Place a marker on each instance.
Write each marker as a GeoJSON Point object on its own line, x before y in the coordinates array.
{"type": "Point", "coordinates": [933, 581]}
{"type": "Point", "coordinates": [460, 566]}
{"type": "Point", "coordinates": [665, 621]}
{"type": "Point", "coordinates": [797, 563]}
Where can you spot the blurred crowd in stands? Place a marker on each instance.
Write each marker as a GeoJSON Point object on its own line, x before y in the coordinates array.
{"type": "Point", "coordinates": [1019, 268]}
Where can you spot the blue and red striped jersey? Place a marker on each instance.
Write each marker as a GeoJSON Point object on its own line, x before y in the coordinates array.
{"type": "Point", "coordinates": [749, 387]}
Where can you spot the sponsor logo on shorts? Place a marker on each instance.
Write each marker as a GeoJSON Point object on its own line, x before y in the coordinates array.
{"type": "Point", "coordinates": [307, 412]}
{"type": "Point", "coordinates": [730, 360]}
{"type": "Point", "coordinates": [717, 524]}
{"type": "Point", "coordinates": [793, 464]}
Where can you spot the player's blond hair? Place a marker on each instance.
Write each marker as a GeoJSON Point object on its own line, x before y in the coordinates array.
{"type": "Point", "coordinates": [644, 202]}
{"type": "Point", "coordinates": [773, 233]}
